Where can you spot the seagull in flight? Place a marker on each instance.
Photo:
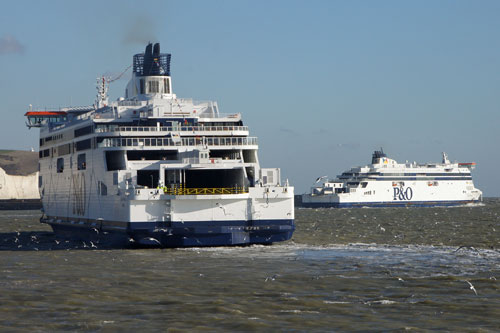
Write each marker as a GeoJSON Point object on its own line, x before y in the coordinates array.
{"type": "Point", "coordinates": [154, 240]}
{"type": "Point", "coordinates": [472, 287]}
{"type": "Point", "coordinates": [271, 278]}
{"type": "Point", "coordinates": [320, 178]}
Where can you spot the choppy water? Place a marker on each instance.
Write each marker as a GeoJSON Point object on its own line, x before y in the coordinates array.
{"type": "Point", "coordinates": [344, 270]}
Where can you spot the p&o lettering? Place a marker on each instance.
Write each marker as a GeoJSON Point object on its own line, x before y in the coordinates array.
{"type": "Point", "coordinates": [400, 193]}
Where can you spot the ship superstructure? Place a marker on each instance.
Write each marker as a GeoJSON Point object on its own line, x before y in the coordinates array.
{"type": "Point", "coordinates": [151, 168]}
{"type": "Point", "coordinates": [387, 183]}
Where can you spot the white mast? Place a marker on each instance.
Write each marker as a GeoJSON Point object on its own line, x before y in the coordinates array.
{"type": "Point", "coordinates": [102, 93]}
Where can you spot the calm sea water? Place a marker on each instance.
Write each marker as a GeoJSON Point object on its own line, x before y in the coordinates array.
{"type": "Point", "coordinates": [391, 269]}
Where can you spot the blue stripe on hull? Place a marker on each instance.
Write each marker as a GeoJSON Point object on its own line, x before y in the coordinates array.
{"type": "Point", "coordinates": [177, 234]}
{"type": "Point", "coordinates": [387, 204]}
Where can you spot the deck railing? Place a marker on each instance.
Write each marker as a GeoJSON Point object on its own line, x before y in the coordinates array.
{"type": "Point", "coordinates": [204, 190]}
{"type": "Point", "coordinates": [177, 142]}
{"type": "Point", "coordinates": [170, 129]}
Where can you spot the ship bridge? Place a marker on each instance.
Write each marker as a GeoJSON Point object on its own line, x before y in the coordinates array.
{"type": "Point", "coordinates": [38, 118]}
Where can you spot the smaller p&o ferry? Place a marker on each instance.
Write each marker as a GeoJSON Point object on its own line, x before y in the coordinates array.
{"type": "Point", "coordinates": [387, 183]}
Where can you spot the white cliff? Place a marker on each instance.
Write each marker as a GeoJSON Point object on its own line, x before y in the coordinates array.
{"type": "Point", "coordinates": [18, 187]}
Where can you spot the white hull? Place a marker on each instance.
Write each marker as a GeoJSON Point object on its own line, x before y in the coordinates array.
{"type": "Point", "coordinates": [383, 193]}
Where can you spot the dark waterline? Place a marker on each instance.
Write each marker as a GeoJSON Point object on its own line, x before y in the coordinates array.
{"type": "Point", "coordinates": [344, 270]}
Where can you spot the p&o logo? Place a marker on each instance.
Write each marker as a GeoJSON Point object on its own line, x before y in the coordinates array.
{"type": "Point", "coordinates": [400, 193]}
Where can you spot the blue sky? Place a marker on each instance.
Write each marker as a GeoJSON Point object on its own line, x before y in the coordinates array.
{"type": "Point", "coordinates": [321, 83]}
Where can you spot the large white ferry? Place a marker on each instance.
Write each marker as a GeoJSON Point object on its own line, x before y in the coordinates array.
{"type": "Point", "coordinates": [386, 183]}
{"type": "Point", "coordinates": [155, 169]}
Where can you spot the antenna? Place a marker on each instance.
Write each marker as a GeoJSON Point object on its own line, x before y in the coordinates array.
{"type": "Point", "coordinates": [102, 92]}
{"type": "Point", "coordinates": [445, 158]}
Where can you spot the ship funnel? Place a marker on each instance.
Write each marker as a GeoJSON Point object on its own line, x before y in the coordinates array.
{"type": "Point", "coordinates": [152, 62]}
{"type": "Point", "coordinates": [155, 65]}
{"type": "Point", "coordinates": [148, 59]}
{"type": "Point", "coordinates": [149, 49]}
{"type": "Point", "coordinates": [147, 67]}
{"type": "Point", "coordinates": [156, 50]}
{"type": "Point", "coordinates": [377, 156]}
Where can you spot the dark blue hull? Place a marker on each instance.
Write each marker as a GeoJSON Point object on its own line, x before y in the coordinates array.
{"type": "Point", "coordinates": [174, 234]}
{"type": "Point", "coordinates": [388, 204]}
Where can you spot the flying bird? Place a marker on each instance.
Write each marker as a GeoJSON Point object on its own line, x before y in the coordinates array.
{"type": "Point", "coordinates": [154, 240]}
{"type": "Point", "coordinates": [472, 287]}
{"type": "Point", "coordinates": [320, 178]}
{"type": "Point", "coordinates": [271, 278]}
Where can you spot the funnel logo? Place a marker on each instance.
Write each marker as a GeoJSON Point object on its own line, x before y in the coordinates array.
{"type": "Point", "coordinates": [400, 193]}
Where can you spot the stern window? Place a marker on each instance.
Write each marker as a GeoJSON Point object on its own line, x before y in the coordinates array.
{"type": "Point", "coordinates": [102, 188]}
{"type": "Point", "coordinates": [60, 165]}
{"type": "Point", "coordinates": [82, 162]}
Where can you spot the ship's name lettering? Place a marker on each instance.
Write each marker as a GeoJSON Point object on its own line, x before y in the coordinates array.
{"type": "Point", "coordinates": [401, 193]}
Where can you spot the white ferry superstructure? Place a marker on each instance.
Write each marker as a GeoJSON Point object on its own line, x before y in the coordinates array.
{"type": "Point", "coordinates": [387, 183]}
{"type": "Point", "coordinates": [154, 169]}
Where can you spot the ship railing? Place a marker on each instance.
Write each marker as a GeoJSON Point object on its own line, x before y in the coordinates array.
{"type": "Point", "coordinates": [79, 109]}
{"type": "Point", "coordinates": [111, 129]}
{"type": "Point", "coordinates": [169, 142]}
{"type": "Point", "coordinates": [203, 190]}
{"type": "Point", "coordinates": [214, 160]}
{"type": "Point", "coordinates": [209, 114]}
{"type": "Point", "coordinates": [129, 103]}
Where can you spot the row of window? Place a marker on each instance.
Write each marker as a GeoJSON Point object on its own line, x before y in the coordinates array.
{"type": "Point", "coordinates": [50, 138]}
{"type": "Point", "coordinates": [176, 141]}
{"type": "Point", "coordinates": [154, 86]}
{"type": "Point", "coordinates": [346, 175]}
{"type": "Point", "coordinates": [66, 148]}
{"type": "Point", "coordinates": [81, 163]}
{"type": "Point", "coordinates": [78, 132]}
